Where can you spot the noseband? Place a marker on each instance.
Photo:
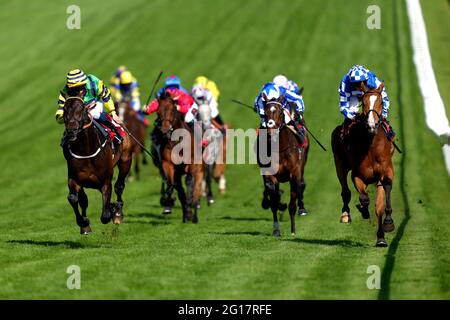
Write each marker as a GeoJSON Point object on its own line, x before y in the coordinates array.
{"type": "Point", "coordinates": [271, 123]}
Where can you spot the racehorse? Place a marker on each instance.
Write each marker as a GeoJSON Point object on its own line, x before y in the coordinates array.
{"type": "Point", "coordinates": [215, 153]}
{"type": "Point", "coordinates": [90, 163]}
{"type": "Point", "coordinates": [291, 160]}
{"type": "Point", "coordinates": [172, 164]}
{"type": "Point", "coordinates": [367, 153]}
{"type": "Point", "coordinates": [136, 128]}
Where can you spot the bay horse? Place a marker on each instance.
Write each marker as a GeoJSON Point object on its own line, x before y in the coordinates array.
{"type": "Point", "coordinates": [291, 160]}
{"type": "Point", "coordinates": [90, 164]}
{"type": "Point", "coordinates": [367, 153]}
{"type": "Point", "coordinates": [173, 166]}
{"type": "Point", "coordinates": [136, 128]}
{"type": "Point", "coordinates": [215, 152]}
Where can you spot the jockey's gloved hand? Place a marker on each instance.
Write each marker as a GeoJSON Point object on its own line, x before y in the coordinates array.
{"type": "Point", "coordinates": [116, 117]}
{"type": "Point", "coordinates": [298, 116]}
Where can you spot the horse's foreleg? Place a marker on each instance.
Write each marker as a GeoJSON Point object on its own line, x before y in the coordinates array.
{"type": "Point", "coordinates": [168, 172]}
{"type": "Point", "coordinates": [346, 194]}
{"type": "Point", "coordinates": [182, 197]}
{"type": "Point", "coordinates": [197, 190]}
{"type": "Point", "coordinates": [302, 185]}
{"type": "Point", "coordinates": [137, 155]}
{"type": "Point", "coordinates": [74, 198]}
{"type": "Point", "coordinates": [388, 224]}
{"type": "Point", "coordinates": [119, 187]}
{"type": "Point", "coordinates": [209, 194]}
{"type": "Point", "coordinates": [272, 189]}
{"type": "Point", "coordinates": [106, 197]}
{"type": "Point", "coordinates": [379, 208]}
{"type": "Point", "coordinates": [83, 201]}
{"type": "Point", "coordinates": [364, 200]}
{"type": "Point", "coordinates": [293, 202]}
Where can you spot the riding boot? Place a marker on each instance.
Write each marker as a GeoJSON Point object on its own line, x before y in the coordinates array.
{"type": "Point", "coordinates": [112, 126]}
{"type": "Point", "coordinates": [390, 133]}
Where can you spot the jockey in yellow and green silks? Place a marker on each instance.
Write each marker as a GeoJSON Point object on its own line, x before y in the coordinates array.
{"type": "Point", "coordinates": [94, 94]}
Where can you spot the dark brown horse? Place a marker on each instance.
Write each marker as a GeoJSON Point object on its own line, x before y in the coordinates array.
{"type": "Point", "coordinates": [367, 153]}
{"type": "Point", "coordinates": [289, 159]}
{"type": "Point", "coordinates": [178, 162]}
{"type": "Point", "coordinates": [136, 128]}
{"type": "Point", "coordinates": [90, 163]}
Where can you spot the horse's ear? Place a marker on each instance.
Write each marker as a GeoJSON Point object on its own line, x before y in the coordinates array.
{"type": "Point", "coordinates": [281, 98]}
{"type": "Point", "coordinates": [364, 87]}
{"type": "Point", "coordinates": [264, 96]}
{"type": "Point", "coordinates": [381, 87]}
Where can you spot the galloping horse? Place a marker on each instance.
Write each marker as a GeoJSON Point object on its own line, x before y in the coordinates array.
{"type": "Point", "coordinates": [169, 120]}
{"type": "Point", "coordinates": [215, 153]}
{"type": "Point", "coordinates": [136, 128]}
{"type": "Point", "coordinates": [90, 163]}
{"type": "Point", "coordinates": [368, 154]}
{"type": "Point", "coordinates": [291, 159]}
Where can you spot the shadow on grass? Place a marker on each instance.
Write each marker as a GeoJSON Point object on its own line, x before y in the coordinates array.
{"type": "Point", "coordinates": [158, 216]}
{"type": "Point", "coordinates": [243, 233]}
{"type": "Point", "coordinates": [245, 218]}
{"type": "Point", "coordinates": [153, 223]}
{"type": "Point", "coordinates": [67, 244]}
{"type": "Point", "coordinates": [340, 243]}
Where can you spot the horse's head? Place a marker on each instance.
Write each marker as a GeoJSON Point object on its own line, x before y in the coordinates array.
{"type": "Point", "coordinates": [273, 112]}
{"type": "Point", "coordinates": [204, 113]}
{"type": "Point", "coordinates": [76, 117]}
{"type": "Point", "coordinates": [372, 102]}
{"type": "Point", "coordinates": [167, 113]}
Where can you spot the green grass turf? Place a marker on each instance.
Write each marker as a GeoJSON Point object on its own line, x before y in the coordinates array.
{"type": "Point", "coordinates": [230, 254]}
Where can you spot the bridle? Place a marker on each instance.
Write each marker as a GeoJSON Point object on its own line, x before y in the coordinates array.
{"type": "Point", "coordinates": [279, 106]}
{"type": "Point", "coordinates": [366, 114]}
{"type": "Point", "coordinates": [82, 127]}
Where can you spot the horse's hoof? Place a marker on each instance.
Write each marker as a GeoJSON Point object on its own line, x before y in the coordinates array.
{"type": "Point", "coordinates": [118, 219]}
{"type": "Point", "coordinates": [105, 220]}
{"type": "Point", "coordinates": [293, 234]}
{"type": "Point", "coordinates": [167, 210]}
{"type": "Point", "coordinates": [364, 211]}
{"type": "Point", "coordinates": [303, 212]}
{"type": "Point", "coordinates": [276, 233]}
{"type": "Point", "coordinates": [282, 206]}
{"type": "Point", "coordinates": [198, 206]}
{"type": "Point", "coordinates": [265, 204]}
{"type": "Point", "coordinates": [388, 226]}
{"type": "Point", "coordinates": [210, 201]}
{"type": "Point", "coordinates": [381, 243]}
{"type": "Point", "coordinates": [85, 230]}
{"type": "Point", "coordinates": [195, 219]}
{"type": "Point", "coordinates": [345, 217]}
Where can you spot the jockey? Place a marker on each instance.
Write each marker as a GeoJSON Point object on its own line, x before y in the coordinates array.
{"type": "Point", "coordinates": [184, 102]}
{"type": "Point", "coordinates": [93, 92]}
{"type": "Point", "coordinates": [350, 94]}
{"type": "Point", "coordinates": [128, 87]}
{"type": "Point", "coordinates": [115, 80]}
{"type": "Point", "coordinates": [171, 81]}
{"type": "Point", "coordinates": [290, 85]}
{"type": "Point", "coordinates": [272, 92]}
{"type": "Point", "coordinates": [202, 95]}
{"type": "Point", "coordinates": [208, 85]}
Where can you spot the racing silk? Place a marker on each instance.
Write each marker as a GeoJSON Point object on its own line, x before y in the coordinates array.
{"type": "Point", "coordinates": [185, 104]}
{"type": "Point", "coordinates": [289, 98]}
{"type": "Point", "coordinates": [211, 86]}
{"type": "Point", "coordinates": [95, 91]}
{"type": "Point", "coordinates": [211, 101]}
{"type": "Point", "coordinates": [347, 90]}
{"type": "Point", "coordinates": [133, 93]}
{"type": "Point", "coordinates": [293, 87]}
{"type": "Point", "coordinates": [164, 89]}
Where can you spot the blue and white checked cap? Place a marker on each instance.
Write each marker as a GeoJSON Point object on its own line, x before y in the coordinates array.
{"type": "Point", "coordinates": [358, 73]}
{"type": "Point", "coordinates": [271, 91]}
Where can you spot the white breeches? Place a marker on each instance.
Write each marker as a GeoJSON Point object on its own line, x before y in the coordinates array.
{"type": "Point", "coordinates": [96, 110]}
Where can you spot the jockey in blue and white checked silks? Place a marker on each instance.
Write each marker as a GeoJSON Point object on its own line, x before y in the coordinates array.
{"type": "Point", "coordinates": [271, 91]}
{"type": "Point", "coordinates": [350, 92]}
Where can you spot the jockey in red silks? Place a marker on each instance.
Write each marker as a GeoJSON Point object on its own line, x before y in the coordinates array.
{"type": "Point", "coordinates": [184, 102]}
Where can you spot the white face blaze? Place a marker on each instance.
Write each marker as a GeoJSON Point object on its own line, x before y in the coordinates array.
{"type": "Point", "coordinates": [371, 119]}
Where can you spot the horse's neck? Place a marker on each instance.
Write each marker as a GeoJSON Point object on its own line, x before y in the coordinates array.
{"type": "Point", "coordinates": [87, 140]}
